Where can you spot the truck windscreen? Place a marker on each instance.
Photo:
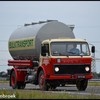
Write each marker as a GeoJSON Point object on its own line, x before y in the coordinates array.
{"type": "Point", "coordinates": [69, 49]}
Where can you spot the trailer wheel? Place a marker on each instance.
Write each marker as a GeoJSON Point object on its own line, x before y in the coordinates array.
{"type": "Point", "coordinates": [42, 82]}
{"type": "Point", "coordinates": [13, 80]}
{"type": "Point", "coordinates": [81, 85]}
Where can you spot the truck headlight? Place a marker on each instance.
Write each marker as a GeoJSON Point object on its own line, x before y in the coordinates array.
{"type": "Point", "coordinates": [56, 69]}
{"type": "Point", "coordinates": [87, 68]}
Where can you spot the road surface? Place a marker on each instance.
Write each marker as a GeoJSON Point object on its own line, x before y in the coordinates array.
{"type": "Point", "coordinates": [70, 89]}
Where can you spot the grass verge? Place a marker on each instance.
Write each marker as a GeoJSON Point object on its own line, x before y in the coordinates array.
{"type": "Point", "coordinates": [93, 83]}
{"type": "Point", "coordinates": [4, 81]}
{"type": "Point", "coordinates": [34, 94]}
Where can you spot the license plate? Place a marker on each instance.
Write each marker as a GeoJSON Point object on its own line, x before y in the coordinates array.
{"type": "Point", "coordinates": [81, 76]}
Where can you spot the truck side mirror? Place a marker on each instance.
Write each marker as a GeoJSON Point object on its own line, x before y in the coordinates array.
{"type": "Point", "coordinates": [93, 49]}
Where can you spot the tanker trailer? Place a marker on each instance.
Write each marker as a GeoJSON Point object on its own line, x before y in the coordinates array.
{"type": "Point", "coordinates": [41, 56]}
{"type": "Point", "coordinates": [26, 41]}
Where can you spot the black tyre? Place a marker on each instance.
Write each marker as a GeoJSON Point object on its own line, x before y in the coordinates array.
{"type": "Point", "coordinates": [15, 84]}
{"type": "Point", "coordinates": [42, 82]}
{"type": "Point", "coordinates": [13, 80]}
{"type": "Point", "coordinates": [81, 85]}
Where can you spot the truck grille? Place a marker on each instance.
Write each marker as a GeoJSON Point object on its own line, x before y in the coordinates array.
{"type": "Point", "coordinates": [71, 69]}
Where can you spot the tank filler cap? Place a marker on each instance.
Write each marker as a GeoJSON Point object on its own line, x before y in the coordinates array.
{"type": "Point", "coordinates": [51, 20]}
{"type": "Point", "coordinates": [40, 22]}
{"type": "Point", "coordinates": [33, 23]}
{"type": "Point", "coordinates": [27, 24]}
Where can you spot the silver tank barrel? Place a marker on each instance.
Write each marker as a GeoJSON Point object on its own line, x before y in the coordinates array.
{"type": "Point", "coordinates": [25, 42]}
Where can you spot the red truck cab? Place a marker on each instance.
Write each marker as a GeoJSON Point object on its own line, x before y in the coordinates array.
{"type": "Point", "coordinates": [62, 66]}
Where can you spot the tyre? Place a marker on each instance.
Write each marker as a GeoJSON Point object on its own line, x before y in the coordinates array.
{"type": "Point", "coordinates": [15, 84]}
{"type": "Point", "coordinates": [81, 85]}
{"type": "Point", "coordinates": [42, 82]}
{"type": "Point", "coordinates": [13, 80]}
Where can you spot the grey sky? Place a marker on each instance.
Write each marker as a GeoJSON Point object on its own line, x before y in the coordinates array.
{"type": "Point", "coordinates": [85, 15]}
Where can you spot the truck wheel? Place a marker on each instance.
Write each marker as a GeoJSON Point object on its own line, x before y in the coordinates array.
{"type": "Point", "coordinates": [15, 84]}
{"type": "Point", "coordinates": [81, 85]}
{"type": "Point", "coordinates": [13, 80]}
{"type": "Point", "coordinates": [42, 82]}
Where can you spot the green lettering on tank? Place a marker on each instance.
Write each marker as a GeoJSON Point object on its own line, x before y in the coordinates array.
{"type": "Point", "coordinates": [22, 44]}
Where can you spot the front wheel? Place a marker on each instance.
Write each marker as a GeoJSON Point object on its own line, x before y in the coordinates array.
{"type": "Point", "coordinates": [42, 82]}
{"type": "Point", "coordinates": [81, 85]}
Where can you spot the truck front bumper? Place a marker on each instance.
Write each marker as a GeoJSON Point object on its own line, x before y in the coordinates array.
{"type": "Point", "coordinates": [75, 76]}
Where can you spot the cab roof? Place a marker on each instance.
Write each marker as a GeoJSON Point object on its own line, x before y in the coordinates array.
{"type": "Point", "coordinates": [64, 40]}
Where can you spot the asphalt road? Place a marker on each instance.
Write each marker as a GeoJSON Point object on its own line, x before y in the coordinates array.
{"type": "Point", "coordinates": [70, 89]}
